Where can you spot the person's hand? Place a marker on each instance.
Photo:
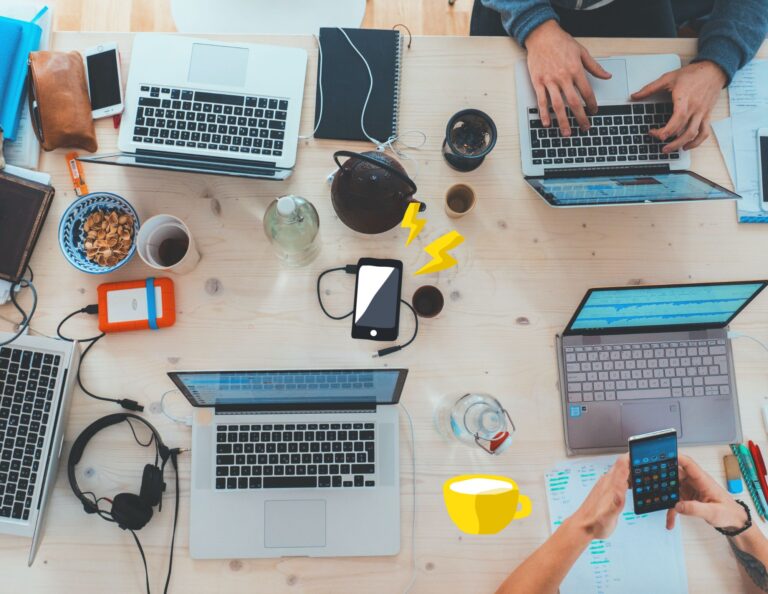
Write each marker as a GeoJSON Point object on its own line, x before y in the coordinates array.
{"type": "Point", "coordinates": [600, 511]}
{"type": "Point", "coordinates": [695, 89]}
{"type": "Point", "coordinates": [556, 63]}
{"type": "Point", "coordinates": [702, 497]}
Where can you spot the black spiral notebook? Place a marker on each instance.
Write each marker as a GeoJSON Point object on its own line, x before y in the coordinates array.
{"type": "Point", "coordinates": [345, 84]}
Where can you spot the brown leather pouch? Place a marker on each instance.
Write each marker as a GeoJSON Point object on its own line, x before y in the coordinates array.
{"type": "Point", "coordinates": [59, 102]}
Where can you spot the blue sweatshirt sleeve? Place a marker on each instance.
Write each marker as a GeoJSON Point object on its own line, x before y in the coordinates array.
{"type": "Point", "coordinates": [733, 33]}
{"type": "Point", "coordinates": [520, 17]}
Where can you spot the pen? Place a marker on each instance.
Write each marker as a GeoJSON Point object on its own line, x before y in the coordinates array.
{"type": "Point", "coordinates": [757, 456]}
{"type": "Point", "coordinates": [751, 479]}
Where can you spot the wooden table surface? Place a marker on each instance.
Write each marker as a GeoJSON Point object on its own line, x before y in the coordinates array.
{"type": "Point", "coordinates": [522, 271]}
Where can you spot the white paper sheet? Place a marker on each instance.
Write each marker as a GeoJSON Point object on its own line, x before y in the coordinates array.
{"type": "Point", "coordinates": [749, 87]}
{"type": "Point", "coordinates": [619, 564]}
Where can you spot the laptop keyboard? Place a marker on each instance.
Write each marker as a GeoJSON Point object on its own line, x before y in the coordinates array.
{"type": "Point", "coordinates": [647, 370]}
{"type": "Point", "coordinates": [617, 134]}
{"type": "Point", "coordinates": [213, 121]}
{"type": "Point", "coordinates": [27, 382]}
{"type": "Point", "coordinates": [303, 455]}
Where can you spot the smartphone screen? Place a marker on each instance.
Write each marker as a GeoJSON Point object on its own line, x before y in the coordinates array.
{"type": "Point", "coordinates": [653, 463]}
{"type": "Point", "coordinates": [763, 149]}
{"type": "Point", "coordinates": [377, 299]}
{"type": "Point", "coordinates": [103, 79]}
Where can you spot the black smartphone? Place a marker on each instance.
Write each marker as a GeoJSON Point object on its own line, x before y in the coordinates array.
{"type": "Point", "coordinates": [377, 299]}
{"type": "Point", "coordinates": [653, 470]}
{"type": "Point", "coordinates": [762, 166]}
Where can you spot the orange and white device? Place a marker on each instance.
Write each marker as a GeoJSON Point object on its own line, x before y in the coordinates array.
{"type": "Point", "coordinates": [147, 304]}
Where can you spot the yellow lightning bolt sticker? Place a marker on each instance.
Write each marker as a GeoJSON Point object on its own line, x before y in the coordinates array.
{"type": "Point", "coordinates": [411, 222]}
{"type": "Point", "coordinates": [438, 249]}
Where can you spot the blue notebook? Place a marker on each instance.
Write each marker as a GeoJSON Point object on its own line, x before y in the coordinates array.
{"type": "Point", "coordinates": [17, 39]}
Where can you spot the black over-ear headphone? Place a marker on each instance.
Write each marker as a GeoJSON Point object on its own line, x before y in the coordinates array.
{"type": "Point", "coordinates": [129, 510]}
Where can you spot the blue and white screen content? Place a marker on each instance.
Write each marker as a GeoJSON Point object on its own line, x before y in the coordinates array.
{"type": "Point", "coordinates": [292, 387]}
{"type": "Point", "coordinates": [617, 189]}
{"type": "Point", "coordinates": [663, 306]}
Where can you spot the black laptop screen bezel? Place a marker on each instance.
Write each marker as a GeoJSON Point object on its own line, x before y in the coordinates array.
{"type": "Point", "coordinates": [346, 404]}
{"type": "Point", "coordinates": [569, 331]}
{"type": "Point", "coordinates": [636, 171]}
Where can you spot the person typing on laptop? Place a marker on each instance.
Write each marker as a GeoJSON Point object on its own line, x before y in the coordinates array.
{"type": "Point", "coordinates": [701, 497]}
{"type": "Point", "coordinates": [559, 65]}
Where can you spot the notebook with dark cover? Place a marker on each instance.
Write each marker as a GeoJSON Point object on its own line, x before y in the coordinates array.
{"type": "Point", "coordinates": [24, 205]}
{"type": "Point", "coordinates": [345, 83]}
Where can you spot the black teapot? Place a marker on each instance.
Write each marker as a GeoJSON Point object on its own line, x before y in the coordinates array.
{"type": "Point", "coordinates": [371, 191]}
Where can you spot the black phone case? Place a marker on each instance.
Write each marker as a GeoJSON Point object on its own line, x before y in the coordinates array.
{"type": "Point", "coordinates": [381, 334]}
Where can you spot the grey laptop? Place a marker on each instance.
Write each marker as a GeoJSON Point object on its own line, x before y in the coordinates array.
{"type": "Point", "coordinates": [294, 463]}
{"type": "Point", "coordinates": [37, 376]}
{"type": "Point", "coordinates": [637, 359]}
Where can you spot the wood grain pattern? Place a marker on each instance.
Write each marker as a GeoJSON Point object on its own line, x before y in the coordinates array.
{"type": "Point", "coordinates": [523, 268]}
{"type": "Point", "coordinates": [423, 17]}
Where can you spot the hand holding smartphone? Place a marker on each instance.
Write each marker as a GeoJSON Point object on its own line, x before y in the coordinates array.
{"type": "Point", "coordinates": [654, 471]}
{"type": "Point", "coordinates": [102, 70]}
{"type": "Point", "coordinates": [377, 299]}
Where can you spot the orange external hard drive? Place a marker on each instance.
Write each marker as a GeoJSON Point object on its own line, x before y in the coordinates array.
{"type": "Point", "coordinates": [136, 305]}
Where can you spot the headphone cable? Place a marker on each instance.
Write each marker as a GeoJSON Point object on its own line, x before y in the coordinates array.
{"type": "Point", "coordinates": [143, 558]}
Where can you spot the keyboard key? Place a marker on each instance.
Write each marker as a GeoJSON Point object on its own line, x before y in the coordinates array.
{"type": "Point", "coordinates": [291, 482]}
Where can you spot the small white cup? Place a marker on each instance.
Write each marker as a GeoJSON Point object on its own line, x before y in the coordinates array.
{"type": "Point", "coordinates": [154, 231]}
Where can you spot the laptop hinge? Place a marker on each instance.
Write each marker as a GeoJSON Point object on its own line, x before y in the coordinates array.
{"type": "Point", "coordinates": [294, 408]}
{"type": "Point", "coordinates": [195, 159]}
{"type": "Point", "coordinates": [609, 170]}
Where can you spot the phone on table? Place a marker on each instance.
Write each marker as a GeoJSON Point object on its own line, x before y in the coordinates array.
{"type": "Point", "coordinates": [377, 299]}
{"type": "Point", "coordinates": [102, 70]}
{"type": "Point", "coordinates": [762, 166]}
{"type": "Point", "coordinates": [654, 471]}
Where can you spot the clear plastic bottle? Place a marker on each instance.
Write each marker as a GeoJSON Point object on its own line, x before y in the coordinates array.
{"type": "Point", "coordinates": [292, 226]}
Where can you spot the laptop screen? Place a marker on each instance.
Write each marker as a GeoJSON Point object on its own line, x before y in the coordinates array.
{"type": "Point", "coordinates": [291, 388]}
{"type": "Point", "coordinates": [636, 188]}
{"type": "Point", "coordinates": [674, 307]}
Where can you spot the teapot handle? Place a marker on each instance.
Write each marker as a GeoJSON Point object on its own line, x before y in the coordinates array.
{"type": "Point", "coordinates": [376, 162]}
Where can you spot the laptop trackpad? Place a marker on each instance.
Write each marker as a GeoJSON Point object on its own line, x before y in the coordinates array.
{"type": "Point", "coordinates": [616, 87]}
{"type": "Point", "coordinates": [289, 524]}
{"type": "Point", "coordinates": [644, 417]}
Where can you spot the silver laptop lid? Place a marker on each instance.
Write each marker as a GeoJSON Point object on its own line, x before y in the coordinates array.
{"type": "Point", "coordinates": [662, 308]}
{"type": "Point", "coordinates": [278, 390]}
{"type": "Point", "coordinates": [625, 186]}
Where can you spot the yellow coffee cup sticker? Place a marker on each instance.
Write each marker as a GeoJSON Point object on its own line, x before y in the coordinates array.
{"type": "Point", "coordinates": [484, 503]}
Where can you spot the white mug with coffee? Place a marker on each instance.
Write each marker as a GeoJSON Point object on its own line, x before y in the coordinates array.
{"type": "Point", "coordinates": [165, 243]}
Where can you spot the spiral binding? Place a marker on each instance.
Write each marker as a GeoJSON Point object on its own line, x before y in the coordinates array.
{"type": "Point", "coordinates": [398, 74]}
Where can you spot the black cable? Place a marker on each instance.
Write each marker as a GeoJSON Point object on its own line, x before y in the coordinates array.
{"type": "Point", "coordinates": [175, 464]}
{"type": "Point", "coordinates": [26, 320]}
{"type": "Point", "coordinates": [394, 349]}
{"type": "Point", "coordinates": [126, 403]}
{"type": "Point", "coordinates": [143, 558]}
{"type": "Point", "coordinates": [349, 269]}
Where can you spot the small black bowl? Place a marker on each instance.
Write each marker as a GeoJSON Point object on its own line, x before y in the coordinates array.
{"type": "Point", "coordinates": [428, 301]}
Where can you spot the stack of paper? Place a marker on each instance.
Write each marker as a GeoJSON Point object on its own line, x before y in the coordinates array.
{"type": "Point", "coordinates": [619, 564]}
{"type": "Point", "coordinates": [737, 136]}
{"type": "Point", "coordinates": [25, 150]}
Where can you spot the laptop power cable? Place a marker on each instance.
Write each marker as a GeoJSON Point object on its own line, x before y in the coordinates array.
{"type": "Point", "coordinates": [93, 309]}
{"type": "Point", "coordinates": [352, 269]}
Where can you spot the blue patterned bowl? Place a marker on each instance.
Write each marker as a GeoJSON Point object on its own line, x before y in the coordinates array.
{"type": "Point", "coordinates": [72, 237]}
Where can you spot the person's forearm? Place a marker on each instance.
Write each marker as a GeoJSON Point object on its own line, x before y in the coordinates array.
{"type": "Point", "coordinates": [733, 33]}
{"type": "Point", "coordinates": [546, 568]}
{"type": "Point", "coordinates": [520, 17]}
{"type": "Point", "coordinates": [751, 551]}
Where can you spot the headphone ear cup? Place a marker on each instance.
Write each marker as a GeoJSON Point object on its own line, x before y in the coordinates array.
{"type": "Point", "coordinates": [152, 485]}
{"type": "Point", "coordinates": [130, 511]}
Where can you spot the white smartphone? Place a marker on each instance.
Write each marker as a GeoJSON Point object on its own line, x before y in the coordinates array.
{"type": "Point", "coordinates": [762, 166]}
{"type": "Point", "coordinates": [105, 86]}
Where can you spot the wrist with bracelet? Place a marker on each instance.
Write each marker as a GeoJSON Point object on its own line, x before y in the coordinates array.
{"type": "Point", "coordinates": [737, 531]}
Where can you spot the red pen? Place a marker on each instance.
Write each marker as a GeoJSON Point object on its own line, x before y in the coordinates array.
{"type": "Point", "coordinates": [757, 456]}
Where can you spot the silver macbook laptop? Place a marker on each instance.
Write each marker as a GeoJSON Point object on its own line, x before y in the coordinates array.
{"type": "Point", "coordinates": [616, 161]}
{"type": "Point", "coordinates": [37, 376]}
{"type": "Point", "coordinates": [294, 463]}
{"type": "Point", "coordinates": [637, 359]}
{"type": "Point", "coordinates": [211, 107]}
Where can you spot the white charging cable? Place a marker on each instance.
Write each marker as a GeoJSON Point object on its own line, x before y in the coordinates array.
{"type": "Point", "coordinates": [175, 419]}
{"type": "Point", "coordinates": [413, 514]}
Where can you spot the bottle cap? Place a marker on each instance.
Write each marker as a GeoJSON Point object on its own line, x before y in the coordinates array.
{"type": "Point", "coordinates": [286, 206]}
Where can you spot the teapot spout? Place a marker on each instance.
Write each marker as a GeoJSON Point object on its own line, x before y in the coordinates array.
{"type": "Point", "coordinates": [422, 205]}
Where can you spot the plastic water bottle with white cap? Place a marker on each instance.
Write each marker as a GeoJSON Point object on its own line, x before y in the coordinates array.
{"type": "Point", "coordinates": [292, 226]}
